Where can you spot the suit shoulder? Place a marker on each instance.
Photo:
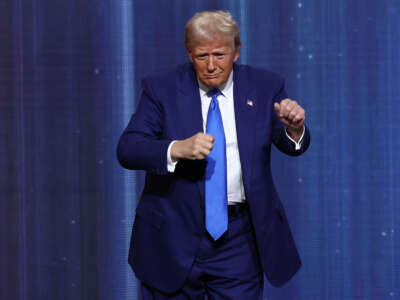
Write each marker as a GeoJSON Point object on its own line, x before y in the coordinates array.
{"type": "Point", "coordinates": [165, 84]}
{"type": "Point", "coordinates": [259, 74]}
{"type": "Point", "coordinates": [263, 81]}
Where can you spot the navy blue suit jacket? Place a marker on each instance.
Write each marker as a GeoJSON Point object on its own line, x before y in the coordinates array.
{"type": "Point", "coordinates": [169, 218]}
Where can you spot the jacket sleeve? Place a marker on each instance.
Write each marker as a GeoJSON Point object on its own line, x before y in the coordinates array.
{"type": "Point", "coordinates": [141, 145]}
{"type": "Point", "coordinates": [279, 137]}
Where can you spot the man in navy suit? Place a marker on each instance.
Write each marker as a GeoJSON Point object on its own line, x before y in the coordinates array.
{"type": "Point", "coordinates": [203, 132]}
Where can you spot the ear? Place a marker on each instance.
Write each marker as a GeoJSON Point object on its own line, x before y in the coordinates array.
{"type": "Point", "coordinates": [189, 53]}
{"type": "Point", "coordinates": [236, 55]}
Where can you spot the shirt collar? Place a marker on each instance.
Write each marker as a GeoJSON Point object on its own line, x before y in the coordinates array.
{"type": "Point", "coordinates": [223, 87]}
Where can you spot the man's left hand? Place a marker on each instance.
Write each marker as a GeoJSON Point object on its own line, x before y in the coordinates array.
{"type": "Point", "coordinates": [292, 115]}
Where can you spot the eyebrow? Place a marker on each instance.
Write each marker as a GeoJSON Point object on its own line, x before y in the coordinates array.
{"type": "Point", "coordinates": [201, 52]}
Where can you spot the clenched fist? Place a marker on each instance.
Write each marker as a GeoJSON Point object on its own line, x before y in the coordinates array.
{"type": "Point", "coordinates": [197, 146]}
{"type": "Point", "coordinates": [292, 115]}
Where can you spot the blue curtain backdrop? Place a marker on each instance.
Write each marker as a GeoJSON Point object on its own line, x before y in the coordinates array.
{"type": "Point", "coordinates": [69, 80]}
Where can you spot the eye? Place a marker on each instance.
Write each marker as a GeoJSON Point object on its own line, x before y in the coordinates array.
{"type": "Point", "coordinates": [201, 56]}
{"type": "Point", "coordinates": [219, 55]}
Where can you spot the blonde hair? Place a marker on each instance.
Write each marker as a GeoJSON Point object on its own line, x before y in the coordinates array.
{"type": "Point", "coordinates": [211, 25]}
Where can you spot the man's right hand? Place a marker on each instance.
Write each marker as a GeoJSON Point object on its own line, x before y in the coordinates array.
{"type": "Point", "coordinates": [197, 146]}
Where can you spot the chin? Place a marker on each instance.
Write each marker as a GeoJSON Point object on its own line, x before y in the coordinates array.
{"type": "Point", "coordinates": [213, 82]}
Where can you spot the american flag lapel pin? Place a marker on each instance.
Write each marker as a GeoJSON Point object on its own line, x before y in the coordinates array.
{"type": "Point", "coordinates": [249, 102]}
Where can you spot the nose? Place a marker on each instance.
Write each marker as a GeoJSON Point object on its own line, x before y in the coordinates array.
{"type": "Point", "coordinates": [210, 64]}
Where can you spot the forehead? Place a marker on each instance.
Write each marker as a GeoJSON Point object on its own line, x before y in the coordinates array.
{"type": "Point", "coordinates": [213, 45]}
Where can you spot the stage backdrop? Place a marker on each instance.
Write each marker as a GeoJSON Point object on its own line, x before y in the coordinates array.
{"type": "Point", "coordinates": [69, 80]}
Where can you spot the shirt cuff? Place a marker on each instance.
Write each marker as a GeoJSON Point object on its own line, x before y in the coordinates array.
{"type": "Point", "coordinates": [297, 145]}
{"type": "Point", "coordinates": [170, 164]}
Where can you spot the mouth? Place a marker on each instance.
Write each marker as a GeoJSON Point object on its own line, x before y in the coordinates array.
{"type": "Point", "coordinates": [211, 76]}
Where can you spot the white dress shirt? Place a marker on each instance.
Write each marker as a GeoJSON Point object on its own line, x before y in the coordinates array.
{"type": "Point", "coordinates": [235, 186]}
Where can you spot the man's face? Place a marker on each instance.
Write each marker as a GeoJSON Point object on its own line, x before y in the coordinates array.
{"type": "Point", "coordinates": [213, 60]}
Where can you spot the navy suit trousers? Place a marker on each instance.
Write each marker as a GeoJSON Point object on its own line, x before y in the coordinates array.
{"type": "Point", "coordinates": [228, 268]}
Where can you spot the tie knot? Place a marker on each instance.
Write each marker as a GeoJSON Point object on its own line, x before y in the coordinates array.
{"type": "Point", "coordinates": [214, 93]}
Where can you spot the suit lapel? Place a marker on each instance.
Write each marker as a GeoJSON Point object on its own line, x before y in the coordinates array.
{"type": "Point", "coordinates": [245, 117]}
{"type": "Point", "coordinates": [190, 109]}
{"type": "Point", "coordinates": [190, 103]}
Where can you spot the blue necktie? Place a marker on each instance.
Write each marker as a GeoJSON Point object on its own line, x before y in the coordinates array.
{"type": "Point", "coordinates": [215, 184]}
